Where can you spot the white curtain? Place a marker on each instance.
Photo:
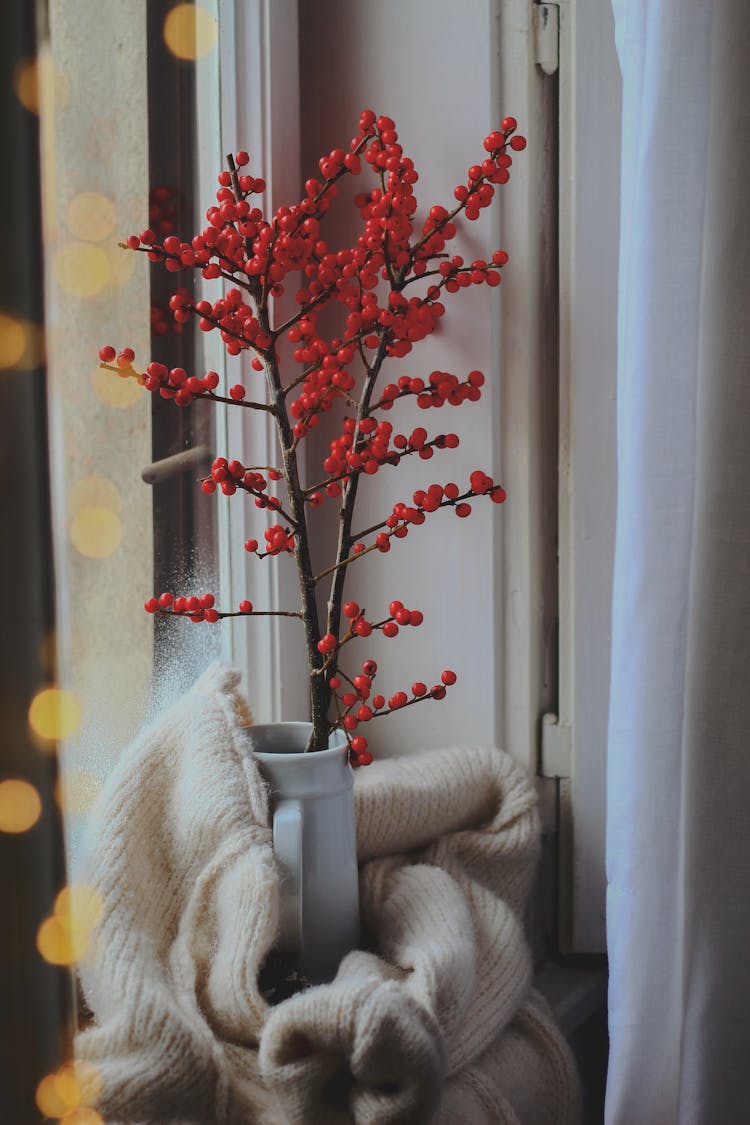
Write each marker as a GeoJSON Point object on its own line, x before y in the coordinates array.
{"type": "Point", "coordinates": [678, 846]}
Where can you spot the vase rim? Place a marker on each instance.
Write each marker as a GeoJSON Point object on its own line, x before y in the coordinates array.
{"type": "Point", "coordinates": [300, 731]}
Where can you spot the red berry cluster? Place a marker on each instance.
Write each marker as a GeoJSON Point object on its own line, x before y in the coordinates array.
{"type": "Point", "coordinates": [426, 501]}
{"type": "Point", "coordinates": [359, 625]}
{"type": "Point", "coordinates": [380, 319]}
{"type": "Point", "coordinates": [231, 475]}
{"type": "Point", "coordinates": [356, 704]}
{"type": "Point", "coordinates": [278, 541]}
{"type": "Point", "coordinates": [196, 608]}
{"type": "Point", "coordinates": [442, 387]}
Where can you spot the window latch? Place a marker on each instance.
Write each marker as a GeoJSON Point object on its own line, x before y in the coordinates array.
{"type": "Point", "coordinates": [167, 467]}
{"type": "Point", "coordinates": [546, 32]}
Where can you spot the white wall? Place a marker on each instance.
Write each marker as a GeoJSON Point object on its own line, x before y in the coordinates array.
{"type": "Point", "coordinates": [429, 65]}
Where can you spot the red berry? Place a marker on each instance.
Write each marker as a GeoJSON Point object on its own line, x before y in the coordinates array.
{"type": "Point", "coordinates": [237, 392]}
{"type": "Point", "coordinates": [378, 701]}
{"type": "Point", "coordinates": [151, 605]}
{"type": "Point", "coordinates": [509, 124]}
{"type": "Point", "coordinates": [241, 159]}
{"type": "Point", "coordinates": [448, 677]}
{"type": "Point", "coordinates": [107, 354]}
{"type": "Point", "coordinates": [390, 629]}
{"type": "Point", "coordinates": [165, 600]}
{"type": "Point", "coordinates": [351, 609]}
{"type": "Point", "coordinates": [327, 644]}
{"type": "Point", "coordinates": [246, 607]}
{"type": "Point", "coordinates": [419, 689]}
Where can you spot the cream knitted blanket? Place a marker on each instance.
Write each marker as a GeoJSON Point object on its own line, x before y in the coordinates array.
{"type": "Point", "coordinates": [441, 1026]}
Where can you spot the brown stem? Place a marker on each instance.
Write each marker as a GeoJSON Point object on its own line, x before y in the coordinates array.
{"type": "Point", "coordinates": [319, 690]}
{"type": "Point", "coordinates": [350, 495]}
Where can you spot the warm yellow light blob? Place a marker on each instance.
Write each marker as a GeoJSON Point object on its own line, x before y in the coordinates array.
{"type": "Point", "coordinates": [21, 343]}
{"type": "Point", "coordinates": [122, 263]}
{"type": "Point", "coordinates": [66, 1094]}
{"type": "Point", "coordinates": [84, 1115]}
{"type": "Point", "coordinates": [20, 806]}
{"type": "Point", "coordinates": [82, 269]}
{"type": "Point", "coordinates": [118, 393]}
{"type": "Point", "coordinates": [54, 1101]}
{"type": "Point", "coordinates": [89, 1080]}
{"type": "Point", "coordinates": [67, 1086]}
{"type": "Point", "coordinates": [91, 216]}
{"type": "Point", "coordinates": [37, 79]}
{"type": "Point", "coordinates": [59, 942]}
{"type": "Point", "coordinates": [80, 906]}
{"type": "Point", "coordinates": [12, 341]}
{"type": "Point", "coordinates": [96, 532]}
{"type": "Point", "coordinates": [55, 713]}
{"type": "Point", "coordinates": [190, 31]}
{"type": "Point", "coordinates": [94, 491]}
{"type": "Point", "coordinates": [76, 793]}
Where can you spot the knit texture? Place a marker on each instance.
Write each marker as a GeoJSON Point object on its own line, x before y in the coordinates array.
{"type": "Point", "coordinates": [440, 1025]}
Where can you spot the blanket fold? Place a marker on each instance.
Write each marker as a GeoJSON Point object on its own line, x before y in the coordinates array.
{"type": "Point", "coordinates": [440, 1024]}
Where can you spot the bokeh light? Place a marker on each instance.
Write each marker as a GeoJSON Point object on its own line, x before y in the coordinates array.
{"type": "Point", "coordinates": [91, 216]}
{"type": "Point", "coordinates": [60, 943]}
{"type": "Point", "coordinates": [82, 269]}
{"type": "Point", "coordinates": [84, 1115]}
{"type": "Point", "coordinates": [55, 713]}
{"type": "Point", "coordinates": [80, 905]}
{"type": "Point", "coordinates": [64, 937]}
{"type": "Point", "coordinates": [96, 532]}
{"type": "Point", "coordinates": [12, 341]}
{"type": "Point", "coordinates": [67, 1092]}
{"type": "Point", "coordinates": [20, 805]}
{"type": "Point", "coordinates": [118, 393]}
{"type": "Point", "coordinates": [76, 791]}
{"type": "Point", "coordinates": [22, 344]}
{"type": "Point", "coordinates": [56, 1098]}
{"type": "Point", "coordinates": [122, 263]}
{"type": "Point", "coordinates": [190, 31]}
{"type": "Point", "coordinates": [95, 491]}
{"type": "Point", "coordinates": [29, 77]}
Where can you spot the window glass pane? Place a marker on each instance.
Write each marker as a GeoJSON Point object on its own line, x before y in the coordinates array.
{"type": "Point", "coordinates": [121, 154]}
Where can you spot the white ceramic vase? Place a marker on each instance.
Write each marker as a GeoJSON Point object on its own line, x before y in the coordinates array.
{"type": "Point", "coordinates": [314, 842]}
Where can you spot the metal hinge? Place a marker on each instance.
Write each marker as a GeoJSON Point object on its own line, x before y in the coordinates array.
{"type": "Point", "coordinates": [557, 745]}
{"type": "Point", "coordinates": [546, 30]}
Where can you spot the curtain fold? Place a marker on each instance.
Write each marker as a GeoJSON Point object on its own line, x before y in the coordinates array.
{"type": "Point", "coordinates": [678, 837]}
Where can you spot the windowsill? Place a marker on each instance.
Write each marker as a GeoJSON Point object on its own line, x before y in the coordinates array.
{"type": "Point", "coordinates": [574, 992]}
